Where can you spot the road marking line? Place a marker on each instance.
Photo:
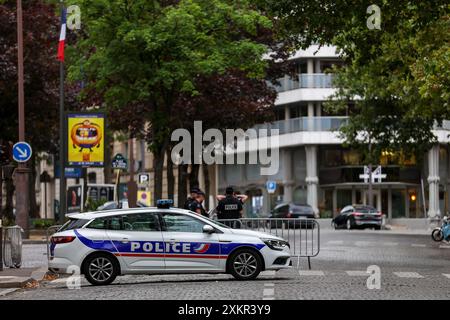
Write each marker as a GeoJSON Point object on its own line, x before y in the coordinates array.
{"type": "Point", "coordinates": [444, 247]}
{"type": "Point", "coordinates": [417, 245]}
{"type": "Point", "coordinates": [408, 275]}
{"type": "Point", "coordinates": [362, 243]}
{"type": "Point", "coordinates": [268, 292]}
{"type": "Point", "coordinates": [269, 284]}
{"type": "Point", "coordinates": [311, 273]}
{"type": "Point", "coordinates": [336, 242]}
{"type": "Point", "coordinates": [447, 275]}
{"type": "Point", "coordinates": [390, 244]}
{"type": "Point", "coordinates": [357, 273]}
{"type": "Point", "coordinates": [268, 273]}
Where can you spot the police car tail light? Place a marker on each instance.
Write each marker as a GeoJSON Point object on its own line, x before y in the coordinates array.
{"type": "Point", "coordinates": [62, 239]}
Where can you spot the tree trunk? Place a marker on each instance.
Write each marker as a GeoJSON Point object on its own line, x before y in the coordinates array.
{"type": "Point", "coordinates": [158, 166]}
{"type": "Point", "coordinates": [193, 176]}
{"type": "Point", "coordinates": [182, 185]}
{"type": "Point", "coordinates": [9, 186]}
{"type": "Point", "coordinates": [170, 176]}
{"type": "Point", "coordinates": [207, 185]}
{"type": "Point", "coordinates": [34, 209]}
{"type": "Point", "coordinates": [1, 192]}
{"type": "Point", "coordinates": [107, 168]}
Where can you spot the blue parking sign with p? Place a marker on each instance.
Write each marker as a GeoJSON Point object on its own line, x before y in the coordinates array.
{"type": "Point", "coordinates": [271, 186]}
{"type": "Point", "coordinates": [22, 151]}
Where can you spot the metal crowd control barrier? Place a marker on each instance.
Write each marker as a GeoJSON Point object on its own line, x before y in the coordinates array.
{"type": "Point", "coordinates": [303, 234]}
{"type": "Point", "coordinates": [50, 230]}
{"type": "Point", "coordinates": [12, 246]}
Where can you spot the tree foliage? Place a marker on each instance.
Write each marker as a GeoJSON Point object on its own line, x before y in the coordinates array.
{"type": "Point", "coordinates": [151, 61]}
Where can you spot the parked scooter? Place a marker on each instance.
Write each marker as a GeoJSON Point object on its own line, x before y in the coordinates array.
{"type": "Point", "coordinates": [442, 232]}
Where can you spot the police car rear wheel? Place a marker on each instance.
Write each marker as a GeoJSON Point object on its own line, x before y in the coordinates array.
{"type": "Point", "coordinates": [245, 265]}
{"type": "Point", "coordinates": [100, 269]}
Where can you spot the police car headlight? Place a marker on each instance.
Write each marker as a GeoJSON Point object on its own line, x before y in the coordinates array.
{"type": "Point", "coordinates": [276, 244]}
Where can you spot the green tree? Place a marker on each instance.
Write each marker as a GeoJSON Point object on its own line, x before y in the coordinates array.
{"type": "Point", "coordinates": [397, 77]}
{"type": "Point", "coordinates": [41, 83]}
{"type": "Point", "coordinates": [142, 55]}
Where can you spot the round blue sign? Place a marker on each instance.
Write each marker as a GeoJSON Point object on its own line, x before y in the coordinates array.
{"type": "Point", "coordinates": [22, 151]}
{"type": "Point", "coordinates": [271, 186]}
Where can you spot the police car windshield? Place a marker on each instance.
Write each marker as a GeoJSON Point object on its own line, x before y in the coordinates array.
{"type": "Point", "coordinates": [216, 222]}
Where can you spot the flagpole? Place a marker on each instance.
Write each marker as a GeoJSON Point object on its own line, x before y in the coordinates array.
{"type": "Point", "coordinates": [62, 138]}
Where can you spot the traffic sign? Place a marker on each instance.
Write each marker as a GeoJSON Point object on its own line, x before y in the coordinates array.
{"type": "Point", "coordinates": [271, 186]}
{"type": "Point", "coordinates": [22, 151]}
{"type": "Point", "coordinates": [119, 162]}
{"type": "Point", "coordinates": [143, 179]}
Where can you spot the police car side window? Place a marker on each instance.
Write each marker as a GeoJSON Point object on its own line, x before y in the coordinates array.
{"type": "Point", "coordinates": [182, 223]}
{"type": "Point", "coordinates": [99, 223]}
{"type": "Point", "coordinates": [143, 221]}
{"type": "Point", "coordinates": [110, 223]}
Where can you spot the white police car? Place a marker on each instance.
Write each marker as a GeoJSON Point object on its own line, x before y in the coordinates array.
{"type": "Point", "coordinates": [161, 240]}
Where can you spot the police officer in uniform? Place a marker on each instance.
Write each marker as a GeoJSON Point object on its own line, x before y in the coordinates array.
{"type": "Point", "coordinates": [190, 199]}
{"type": "Point", "coordinates": [229, 207]}
{"type": "Point", "coordinates": [197, 204]}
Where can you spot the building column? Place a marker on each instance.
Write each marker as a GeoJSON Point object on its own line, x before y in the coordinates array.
{"type": "Point", "coordinates": [317, 66]}
{"type": "Point", "coordinates": [353, 195]}
{"type": "Point", "coordinates": [406, 203]}
{"type": "Point", "coordinates": [288, 175]}
{"type": "Point", "coordinates": [433, 183]}
{"type": "Point", "coordinates": [310, 65]}
{"type": "Point", "coordinates": [379, 199]}
{"type": "Point", "coordinates": [334, 213]}
{"type": "Point", "coordinates": [312, 179]}
{"type": "Point", "coordinates": [287, 116]}
{"type": "Point", "coordinates": [389, 207]}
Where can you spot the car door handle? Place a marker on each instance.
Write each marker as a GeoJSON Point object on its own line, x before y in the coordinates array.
{"type": "Point", "coordinates": [125, 240]}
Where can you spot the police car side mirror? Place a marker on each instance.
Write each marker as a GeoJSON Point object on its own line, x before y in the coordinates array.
{"type": "Point", "coordinates": [208, 229]}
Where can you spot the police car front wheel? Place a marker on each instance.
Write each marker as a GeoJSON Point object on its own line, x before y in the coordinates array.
{"type": "Point", "coordinates": [245, 264]}
{"type": "Point", "coordinates": [100, 269]}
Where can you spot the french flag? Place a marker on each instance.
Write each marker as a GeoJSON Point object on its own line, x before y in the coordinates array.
{"type": "Point", "coordinates": [62, 36]}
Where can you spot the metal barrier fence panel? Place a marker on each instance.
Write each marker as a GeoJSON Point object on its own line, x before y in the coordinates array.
{"type": "Point", "coordinates": [12, 246]}
{"type": "Point", "coordinates": [303, 235]}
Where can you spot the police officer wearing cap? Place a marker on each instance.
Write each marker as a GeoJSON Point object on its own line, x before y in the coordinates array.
{"type": "Point", "coordinates": [229, 207]}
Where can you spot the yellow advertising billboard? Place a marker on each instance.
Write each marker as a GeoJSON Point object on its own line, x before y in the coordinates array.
{"type": "Point", "coordinates": [85, 143]}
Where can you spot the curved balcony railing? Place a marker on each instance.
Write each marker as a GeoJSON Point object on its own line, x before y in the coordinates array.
{"type": "Point", "coordinates": [305, 124]}
{"type": "Point", "coordinates": [305, 80]}
{"type": "Point", "coordinates": [312, 124]}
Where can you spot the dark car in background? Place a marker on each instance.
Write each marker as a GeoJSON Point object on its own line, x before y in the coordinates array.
{"type": "Point", "coordinates": [358, 216]}
{"type": "Point", "coordinates": [292, 215]}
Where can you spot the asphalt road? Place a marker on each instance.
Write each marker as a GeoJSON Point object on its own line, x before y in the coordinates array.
{"type": "Point", "coordinates": [411, 267]}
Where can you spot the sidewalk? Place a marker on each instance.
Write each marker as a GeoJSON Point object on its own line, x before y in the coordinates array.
{"type": "Point", "coordinates": [13, 279]}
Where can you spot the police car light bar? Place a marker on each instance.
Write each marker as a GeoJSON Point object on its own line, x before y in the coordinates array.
{"type": "Point", "coordinates": [164, 203]}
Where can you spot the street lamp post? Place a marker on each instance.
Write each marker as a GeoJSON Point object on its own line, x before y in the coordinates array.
{"type": "Point", "coordinates": [22, 172]}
